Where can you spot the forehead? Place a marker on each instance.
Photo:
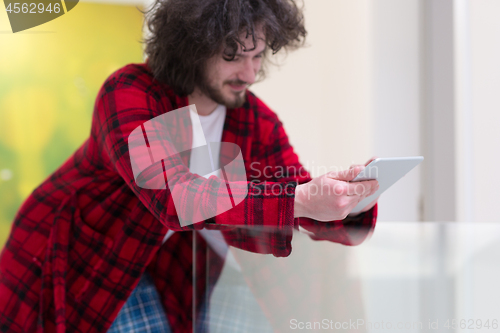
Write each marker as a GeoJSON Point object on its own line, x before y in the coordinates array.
{"type": "Point", "coordinates": [248, 49]}
{"type": "Point", "coordinates": [247, 39]}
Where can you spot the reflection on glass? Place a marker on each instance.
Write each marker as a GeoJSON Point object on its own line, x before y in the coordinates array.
{"type": "Point", "coordinates": [407, 277]}
{"type": "Point", "coordinates": [247, 289]}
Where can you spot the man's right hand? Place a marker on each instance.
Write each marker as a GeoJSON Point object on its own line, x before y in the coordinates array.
{"type": "Point", "coordinates": [331, 196]}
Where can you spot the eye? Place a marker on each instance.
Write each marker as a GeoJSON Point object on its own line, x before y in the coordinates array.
{"type": "Point", "coordinates": [235, 59]}
{"type": "Point", "coordinates": [227, 57]}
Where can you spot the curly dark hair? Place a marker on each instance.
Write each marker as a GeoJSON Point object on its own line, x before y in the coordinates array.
{"type": "Point", "coordinates": [186, 33]}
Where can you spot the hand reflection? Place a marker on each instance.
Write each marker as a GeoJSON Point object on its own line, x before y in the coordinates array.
{"type": "Point", "coordinates": [277, 241]}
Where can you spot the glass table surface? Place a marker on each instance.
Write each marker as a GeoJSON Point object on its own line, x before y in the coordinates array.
{"type": "Point", "coordinates": [404, 277]}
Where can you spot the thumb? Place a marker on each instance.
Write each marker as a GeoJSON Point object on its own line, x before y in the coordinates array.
{"type": "Point", "coordinates": [370, 160]}
{"type": "Point", "coordinates": [347, 175]}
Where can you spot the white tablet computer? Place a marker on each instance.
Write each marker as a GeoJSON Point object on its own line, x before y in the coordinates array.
{"type": "Point", "coordinates": [387, 171]}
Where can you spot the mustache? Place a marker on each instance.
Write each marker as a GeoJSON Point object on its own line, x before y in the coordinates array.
{"type": "Point", "coordinates": [236, 82]}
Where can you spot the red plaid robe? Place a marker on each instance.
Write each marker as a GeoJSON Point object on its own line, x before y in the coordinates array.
{"type": "Point", "coordinates": [82, 239]}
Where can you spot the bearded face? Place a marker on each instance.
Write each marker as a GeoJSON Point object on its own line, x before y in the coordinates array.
{"type": "Point", "coordinates": [225, 82]}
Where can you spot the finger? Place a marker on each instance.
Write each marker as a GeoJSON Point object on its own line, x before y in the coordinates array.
{"type": "Point", "coordinates": [374, 188]}
{"type": "Point", "coordinates": [370, 160]}
{"type": "Point", "coordinates": [367, 208]}
{"type": "Point", "coordinates": [354, 203]}
{"type": "Point", "coordinates": [356, 189]}
{"type": "Point", "coordinates": [340, 188]}
{"type": "Point", "coordinates": [355, 170]}
{"type": "Point", "coordinates": [363, 188]}
{"type": "Point", "coordinates": [356, 165]}
{"type": "Point", "coordinates": [346, 175]}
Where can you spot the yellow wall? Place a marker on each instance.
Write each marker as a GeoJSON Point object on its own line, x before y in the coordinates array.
{"type": "Point", "coordinates": [49, 78]}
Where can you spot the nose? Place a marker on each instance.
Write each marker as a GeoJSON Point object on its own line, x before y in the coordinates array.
{"type": "Point", "coordinates": [248, 71]}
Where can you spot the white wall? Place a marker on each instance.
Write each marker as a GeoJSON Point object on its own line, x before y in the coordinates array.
{"type": "Point", "coordinates": [461, 103]}
{"type": "Point", "coordinates": [396, 108]}
{"type": "Point", "coordinates": [439, 116]}
{"type": "Point", "coordinates": [485, 68]}
{"type": "Point", "coordinates": [322, 93]}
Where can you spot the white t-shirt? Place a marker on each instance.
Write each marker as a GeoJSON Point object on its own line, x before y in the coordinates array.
{"type": "Point", "coordinates": [208, 129]}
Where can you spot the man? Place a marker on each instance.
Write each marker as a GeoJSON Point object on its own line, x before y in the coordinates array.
{"type": "Point", "coordinates": [89, 235]}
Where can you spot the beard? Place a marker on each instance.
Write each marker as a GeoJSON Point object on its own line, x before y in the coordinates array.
{"type": "Point", "coordinates": [215, 93]}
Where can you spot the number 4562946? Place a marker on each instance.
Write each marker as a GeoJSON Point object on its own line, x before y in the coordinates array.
{"type": "Point", "coordinates": [471, 324]}
{"type": "Point", "coordinates": [33, 8]}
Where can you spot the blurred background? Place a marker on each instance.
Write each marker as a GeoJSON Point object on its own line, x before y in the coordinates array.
{"type": "Point", "coordinates": [378, 77]}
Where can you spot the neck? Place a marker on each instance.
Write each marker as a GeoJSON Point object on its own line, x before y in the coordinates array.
{"type": "Point", "coordinates": [204, 105]}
